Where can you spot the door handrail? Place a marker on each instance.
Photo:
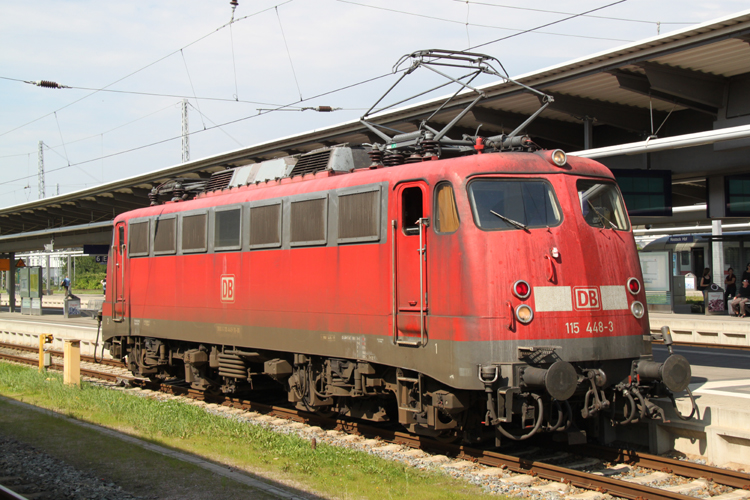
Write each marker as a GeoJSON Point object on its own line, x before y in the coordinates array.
{"type": "Point", "coordinates": [423, 222]}
{"type": "Point", "coordinates": [393, 280]}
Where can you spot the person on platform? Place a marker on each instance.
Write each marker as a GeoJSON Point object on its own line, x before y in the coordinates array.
{"type": "Point", "coordinates": [730, 286]}
{"type": "Point", "coordinates": [705, 282]}
{"type": "Point", "coordinates": [745, 273]}
{"type": "Point", "coordinates": [66, 285]}
{"type": "Point", "coordinates": [104, 286]}
{"type": "Point", "coordinates": [739, 301]}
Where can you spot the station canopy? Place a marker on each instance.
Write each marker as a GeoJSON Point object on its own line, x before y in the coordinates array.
{"type": "Point", "coordinates": [692, 83]}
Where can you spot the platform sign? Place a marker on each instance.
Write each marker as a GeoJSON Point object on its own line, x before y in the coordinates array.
{"type": "Point", "coordinates": [715, 302]}
{"type": "Point", "coordinates": [5, 264]}
{"type": "Point", "coordinates": [101, 259]}
{"type": "Point", "coordinates": [35, 282]}
{"type": "Point", "coordinates": [23, 283]}
{"type": "Point", "coordinates": [96, 249]}
{"type": "Point", "coordinates": [656, 271]}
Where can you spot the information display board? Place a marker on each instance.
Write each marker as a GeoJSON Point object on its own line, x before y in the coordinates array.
{"type": "Point", "coordinates": [656, 271]}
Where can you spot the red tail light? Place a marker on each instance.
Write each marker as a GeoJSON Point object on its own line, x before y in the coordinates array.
{"type": "Point", "coordinates": [634, 286]}
{"type": "Point", "coordinates": [521, 289]}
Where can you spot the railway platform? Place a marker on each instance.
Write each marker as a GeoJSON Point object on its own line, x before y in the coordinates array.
{"type": "Point", "coordinates": [699, 329]}
{"type": "Point", "coordinates": [717, 347]}
{"type": "Point", "coordinates": [16, 328]}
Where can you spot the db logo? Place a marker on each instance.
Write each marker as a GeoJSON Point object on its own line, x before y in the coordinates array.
{"type": "Point", "coordinates": [227, 288]}
{"type": "Point", "coordinates": [587, 298]}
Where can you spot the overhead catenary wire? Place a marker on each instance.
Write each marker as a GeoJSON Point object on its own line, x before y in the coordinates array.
{"type": "Point", "coordinates": [547, 11]}
{"type": "Point", "coordinates": [65, 149]}
{"type": "Point", "coordinates": [288, 53]}
{"type": "Point", "coordinates": [234, 62]}
{"type": "Point", "coordinates": [289, 107]}
{"type": "Point", "coordinates": [519, 31]}
{"type": "Point", "coordinates": [179, 137]}
{"type": "Point", "coordinates": [53, 147]}
{"type": "Point", "coordinates": [66, 159]}
{"type": "Point", "coordinates": [468, 37]}
{"type": "Point", "coordinates": [191, 84]}
{"type": "Point", "coordinates": [145, 67]}
{"type": "Point", "coordinates": [153, 94]}
{"type": "Point", "coordinates": [214, 123]}
{"type": "Point", "coordinates": [546, 25]}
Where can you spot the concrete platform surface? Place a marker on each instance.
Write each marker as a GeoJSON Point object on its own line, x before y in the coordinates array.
{"type": "Point", "coordinates": [721, 431]}
{"type": "Point", "coordinates": [698, 328]}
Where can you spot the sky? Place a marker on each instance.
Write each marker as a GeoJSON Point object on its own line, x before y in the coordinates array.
{"type": "Point", "coordinates": [130, 65]}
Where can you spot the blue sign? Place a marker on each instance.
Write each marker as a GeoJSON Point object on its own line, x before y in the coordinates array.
{"type": "Point", "coordinates": [687, 238]}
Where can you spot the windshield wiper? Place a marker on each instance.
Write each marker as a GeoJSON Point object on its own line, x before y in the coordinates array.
{"type": "Point", "coordinates": [510, 221]}
{"type": "Point", "coordinates": [600, 215]}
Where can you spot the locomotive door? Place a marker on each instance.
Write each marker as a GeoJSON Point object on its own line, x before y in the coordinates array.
{"type": "Point", "coordinates": [118, 273]}
{"type": "Point", "coordinates": [409, 236]}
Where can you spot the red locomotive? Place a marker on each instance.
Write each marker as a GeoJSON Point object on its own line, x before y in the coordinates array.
{"type": "Point", "coordinates": [451, 285]}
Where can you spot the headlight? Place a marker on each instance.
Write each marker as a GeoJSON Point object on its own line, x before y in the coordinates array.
{"type": "Point", "coordinates": [634, 286]}
{"type": "Point", "coordinates": [637, 309]}
{"type": "Point", "coordinates": [524, 314]}
{"type": "Point", "coordinates": [559, 157]}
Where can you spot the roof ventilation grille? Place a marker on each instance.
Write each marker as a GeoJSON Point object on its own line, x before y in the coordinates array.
{"type": "Point", "coordinates": [336, 158]}
{"type": "Point", "coordinates": [220, 180]}
{"type": "Point", "coordinates": [310, 163]}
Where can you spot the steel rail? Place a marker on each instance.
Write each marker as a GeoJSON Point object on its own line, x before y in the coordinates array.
{"type": "Point", "coordinates": [726, 477]}
{"type": "Point", "coordinates": [8, 494]}
{"type": "Point", "coordinates": [55, 352]}
{"type": "Point", "coordinates": [56, 366]}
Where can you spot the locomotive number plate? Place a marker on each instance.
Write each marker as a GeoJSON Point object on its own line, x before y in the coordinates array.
{"type": "Point", "coordinates": [574, 328]}
{"type": "Point", "coordinates": [227, 288]}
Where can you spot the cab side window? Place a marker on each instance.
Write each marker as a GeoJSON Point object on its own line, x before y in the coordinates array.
{"type": "Point", "coordinates": [411, 211]}
{"type": "Point", "coordinates": [446, 213]}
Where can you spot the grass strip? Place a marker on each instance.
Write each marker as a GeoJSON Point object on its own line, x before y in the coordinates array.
{"type": "Point", "coordinates": [328, 470]}
{"type": "Point", "coordinates": [136, 470]}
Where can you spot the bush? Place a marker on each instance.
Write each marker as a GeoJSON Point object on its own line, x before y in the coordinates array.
{"type": "Point", "coordinates": [89, 281]}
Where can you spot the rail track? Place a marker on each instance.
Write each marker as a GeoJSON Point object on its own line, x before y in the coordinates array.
{"type": "Point", "coordinates": [599, 478]}
{"type": "Point", "coordinates": [9, 494]}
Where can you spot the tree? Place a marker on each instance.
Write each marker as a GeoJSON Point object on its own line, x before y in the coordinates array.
{"type": "Point", "coordinates": [88, 273]}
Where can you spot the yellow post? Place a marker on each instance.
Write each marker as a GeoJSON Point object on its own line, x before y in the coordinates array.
{"type": "Point", "coordinates": [43, 339]}
{"type": "Point", "coordinates": [72, 362]}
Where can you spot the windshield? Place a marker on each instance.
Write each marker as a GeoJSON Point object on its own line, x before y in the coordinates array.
{"type": "Point", "coordinates": [601, 205]}
{"type": "Point", "coordinates": [513, 204]}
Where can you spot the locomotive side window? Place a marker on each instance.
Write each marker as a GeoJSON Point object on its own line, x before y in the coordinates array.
{"type": "Point", "coordinates": [265, 226]}
{"type": "Point", "coordinates": [513, 204]}
{"type": "Point", "coordinates": [138, 239]}
{"type": "Point", "coordinates": [227, 229]}
{"type": "Point", "coordinates": [602, 205]}
{"type": "Point", "coordinates": [446, 213]}
{"type": "Point", "coordinates": [165, 236]}
{"type": "Point", "coordinates": [359, 217]}
{"type": "Point", "coordinates": [412, 209]}
{"type": "Point", "coordinates": [308, 222]}
{"type": "Point", "coordinates": [194, 233]}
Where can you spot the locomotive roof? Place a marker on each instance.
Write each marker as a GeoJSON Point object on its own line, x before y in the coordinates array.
{"type": "Point", "coordinates": [453, 169]}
